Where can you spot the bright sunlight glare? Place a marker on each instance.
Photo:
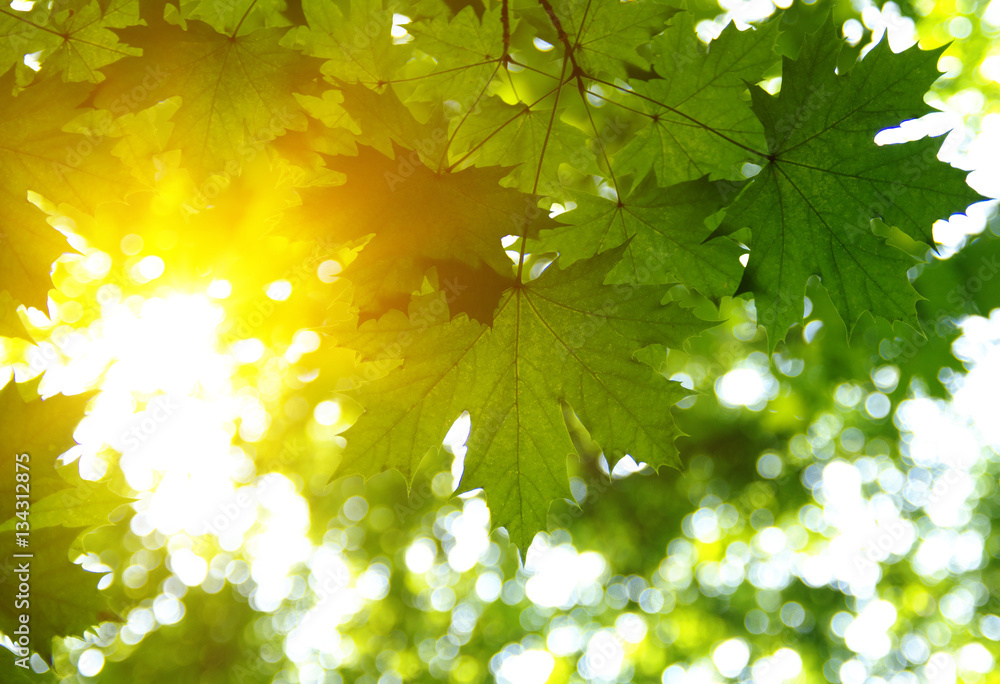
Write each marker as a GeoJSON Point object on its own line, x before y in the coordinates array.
{"type": "Point", "coordinates": [169, 406]}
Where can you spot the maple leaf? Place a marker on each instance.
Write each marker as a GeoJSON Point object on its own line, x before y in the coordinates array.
{"type": "Point", "coordinates": [418, 217]}
{"type": "Point", "coordinates": [385, 122]}
{"type": "Point", "coordinates": [22, 33]}
{"type": "Point", "coordinates": [18, 30]}
{"type": "Point", "coordinates": [697, 121]}
{"type": "Point", "coordinates": [450, 138]}
{"type": "Point", "coordinates": [11, 324]}
{"type": "Point", "coordinates": [73, 38]}
{"type": "Point", "coordinates": [54, 611]}
{"type": "Point", "coordinates": [530, 137]}
{"type": "Point", "coordinates": [237, 91]}
{"type": "Point", "coordinates": [357, 43]}
{"type": "Point", "coordinates": [603, 37]}
{"type": "Point", "coordinates": [528, 126]}
{"type": "Point", "coordinates": [564, 338]}
{"type": "Point", "coordinates": [83, 504]}
{"type": "Point", "coordinates": [213, 225]}
{"type": "Point", "coordinates": [465, 53]}
{"type": "Point", "coordinates": [43, 429]}
{"type": "Point", "coordinates": [37, 155]}
{"type": "Point", "coordinates": [226, 16]}
{"type": "Point", "coordinates": [668, 227]}
{"type": "Point", "coordinates": [825, 180]}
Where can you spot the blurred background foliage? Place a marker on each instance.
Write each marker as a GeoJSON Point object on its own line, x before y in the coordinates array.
{"type": "Point", "coordinates": [833, 520]}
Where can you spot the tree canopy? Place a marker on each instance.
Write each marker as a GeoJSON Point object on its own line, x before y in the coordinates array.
{"type": "Point", "coordinates": [517, 341]}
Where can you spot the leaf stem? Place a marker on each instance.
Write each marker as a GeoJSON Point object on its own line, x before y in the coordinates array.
{"type": "Point", "coordinates": [505, 20]}
{"type": "Point", "coordinates": [538, 171]}
{"type": "Point", "coordinates": [243, 18]}
{"type": "Point", "coordinates": [564, 39]}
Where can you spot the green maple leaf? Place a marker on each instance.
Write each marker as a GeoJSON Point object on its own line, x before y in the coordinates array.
{"type": "Point", "coordinates": [451, 139]}
{"type": "Point", "coordinates": [529, 126]}
{"type": "Point", "coordinates": [465, 50]}
{"type": "Point", "coordinates": [354, 36]}
{"type": "Point", "coordinates": [228, 15]}
{"type": "Point", "coordinates": [668, 227]}
{"type": "Point", "coordinates": [604, 36]}
{"type": "Point", "coordinates": [562, 339]}
{"type": "Point", "coordinates": [11, 324]}
{"type": "Point", "coordinates": [37, 155]}
{"type": "Point", "coordinates": [18, 34]}
{"type": "Point", "coordinates": [44, 430]}
{"type": "Point", "coordinates": [237, 92]}
{"type": "Point", "coordinates": [698, 122]}
{"type": "Point", "coordinates": [60, 605]}
{"type": "Point", "coordinates": [64, 599]}
{"type": "Point", "coordinates": [418, 218]}
{"type": "Point", "coordinates": [75, 38]}
{"type": "Point", "coordinates": [825, 180]}
{"type": "Point", "coordinates": [530, 137]}
{"type": "Point", "coordinates": [384, 122]}
{"type": "Point", "coordinates": [84, 504]}
{"type": "Point", "coordinates": [41, 428]}
{"type": "Point", "coordinates": [221, 235]}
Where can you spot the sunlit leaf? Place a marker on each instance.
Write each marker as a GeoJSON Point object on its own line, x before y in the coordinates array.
{"type": "Point", "coordinates": [825, 180]}
{"type": "Point", "coordinates": [563, 338]}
